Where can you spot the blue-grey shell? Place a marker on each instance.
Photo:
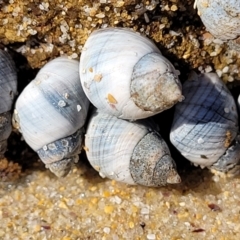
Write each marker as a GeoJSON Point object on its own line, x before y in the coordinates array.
{"type": "Point", "coordinates": [206, 121]}
{"type": "Point", "coordinates": [8, 81]}
{"type": "Point", "coordinates": [8, 91]}
{"type": "Point", "coordinates": [130, 152]}
{"type": "Point", "coordinates": [51, 111]}
{"type": "Point", "coordinates": [220, 17]}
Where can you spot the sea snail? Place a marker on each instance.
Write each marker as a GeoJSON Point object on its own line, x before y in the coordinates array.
{"type": "Point", "coordinates": [205, 124]}
{"type": "Point", "coordinates": [8, 91]}
{"type": "Point", "coordinates": [124, 74]}
{"type": "Point", "coordinates": [50, 114]}
{"type": "Point", "coordinates": [221, 17]}
{"type": "Point", "coordinates": [129, 152]}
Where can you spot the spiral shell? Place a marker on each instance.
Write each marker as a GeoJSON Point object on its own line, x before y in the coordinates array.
{"type": "Point", "coordinates": [205, 124]}
{"type": "Point", "coordinates": [125, 75]}
{"type": "Point", "coordinates": [8, 91]}
{"type": "Point", "coordinates": [129, 152]}
{"type": "Point", "coordinates": [50, 114]}
{"type": "Point", "coordinates": [220, 17]}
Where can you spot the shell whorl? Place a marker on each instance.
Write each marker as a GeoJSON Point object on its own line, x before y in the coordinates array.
{"type": "Point", "coordinates": [153, 85]}
{"type": "Point", "coordinates": [206, 122]}
{"type": "Point", "coordinates": [59, 155]}
{"type": "Point", "coordinates": [51, 111]}
{"type": "Point", "coordinates": [151, 163]}
{"type": "Point", "coordinates": [130, 152]}
{"type": "Point", "coordinates": [119, 70]}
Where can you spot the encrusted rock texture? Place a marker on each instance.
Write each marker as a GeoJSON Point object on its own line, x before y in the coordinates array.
{"type": "Point", "coordinates": [34, 204]}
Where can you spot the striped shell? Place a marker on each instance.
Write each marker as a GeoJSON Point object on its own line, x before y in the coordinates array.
{"type": "Point", "coordinates": [129, 152]}
{"type": "Point", "coordinates": [8, 91]}
{"type": "Point", "coordinates": [125, 75]}
{"type": "Point", "coordinates": [220, 17]}
{"type": "Point", "coordinates": [50, 114]}
{"type": "Point", "coordinates": [205, 124]}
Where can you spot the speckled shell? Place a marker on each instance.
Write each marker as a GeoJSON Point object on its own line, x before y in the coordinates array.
{"type": "Point", "coordinates": [129, 152]}
{"type": "Point", "coordinates": [220, 17]}
{"type": "Point", "coordinates": [50, 114]}
{"type": "Point", "coordinates": [205, 123]}
{"type": "Point", "coordinates": [125, 75]}
{"type": "Point", "coordinates": [8, 91]}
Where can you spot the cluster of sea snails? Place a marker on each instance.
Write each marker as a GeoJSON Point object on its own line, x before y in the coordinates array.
{"type": "Point", "coordinates": [121, 140]}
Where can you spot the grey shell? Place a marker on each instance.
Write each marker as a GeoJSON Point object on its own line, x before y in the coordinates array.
{"type": "Point", "coordinates": [125, 75]}
{"type": "Point", "coordinates": [8, 91]}
{"type": "Point", "coordinates": [205, 123]}
{"type": "Point", "coordinates": [50, 114]}
{"type": "Point", "coordinates": [129, 152]}
{"type": "Point", "coordinates": [220, 17]}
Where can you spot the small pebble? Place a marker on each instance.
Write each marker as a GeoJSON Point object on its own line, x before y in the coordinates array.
{"type": "Point", "coordinates": [107, 230]}
{"type": "Point", "coordinates": [151, 236]}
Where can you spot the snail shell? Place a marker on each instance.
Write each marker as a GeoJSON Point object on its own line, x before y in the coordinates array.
{"type": "Point", "coordinates": [125, 75]}
{"type": "Point", "coordinates": [220, 17]}
{"type": "Point", "coordinates": [205, 124]}
{"type": "Point", "coordinates": [129, 152]}
{"type": "Point", "coordinates": [50, 114]}
{"type": "Point", "coordinates": [8, 91]}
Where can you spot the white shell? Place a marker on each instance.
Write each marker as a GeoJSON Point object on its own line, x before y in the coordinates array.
{"type": "Point", "coordinates": [205, 123]}
{"type": "Point", "coordinates": [129, 152]}
{"type": "Point", "coordinates": [221, 17]}
{"type": "Point", "coordinates": [125, 75]}
{"type": "Point", "coordinates": [238, 102]}
{"type": "Point", "coordinates": [8, 91]}
{"type": "Point", "coordinates": [50, 114]}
